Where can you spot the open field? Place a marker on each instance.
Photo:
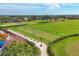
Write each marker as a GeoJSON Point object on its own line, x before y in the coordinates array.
{"type": "Point", "coordinates": [49, 31]}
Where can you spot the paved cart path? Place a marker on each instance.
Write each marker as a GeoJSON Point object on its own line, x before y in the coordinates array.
{"type": "Point", "coordinates": [42, 48]}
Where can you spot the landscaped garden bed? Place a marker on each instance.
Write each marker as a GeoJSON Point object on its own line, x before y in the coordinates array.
{"type": "Point", "coordinates": [13, 45]}
{"type": "Point", "coordinates": [20, 48]}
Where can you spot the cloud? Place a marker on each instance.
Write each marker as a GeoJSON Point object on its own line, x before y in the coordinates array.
{"type": "Point", "coordinates": [42, 8]}
{"type": "Point", "coordinates": [53, 6]}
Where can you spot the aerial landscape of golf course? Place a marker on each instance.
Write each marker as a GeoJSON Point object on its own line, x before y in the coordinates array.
{"type": "Point", "coordinates": [40, 29]}
{"type": "Point", "coordinates": [51, 31]}
{"type": "Point", "coordinates": [60, 37]}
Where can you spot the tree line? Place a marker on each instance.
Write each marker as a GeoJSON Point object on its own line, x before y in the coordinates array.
{"type": "Point", "coordinates": [4, 19]}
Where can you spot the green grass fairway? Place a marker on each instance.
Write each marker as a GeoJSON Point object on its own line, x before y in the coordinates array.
{"type": "Point", "coordinates": [66, 47]}
{"type": "Point", "coordinates": [73, 48]}
{"type": "Point", "coordinates": [47, 32]}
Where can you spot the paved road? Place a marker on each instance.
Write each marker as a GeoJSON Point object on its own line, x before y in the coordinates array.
{"type": "Point", "coordinates": [42, 48]}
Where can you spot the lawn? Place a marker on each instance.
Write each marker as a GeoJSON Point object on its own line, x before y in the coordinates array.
{"type": "Point", "coordinates": [66, 47]}
{"type": "Point", "coordinates": [49, 31]}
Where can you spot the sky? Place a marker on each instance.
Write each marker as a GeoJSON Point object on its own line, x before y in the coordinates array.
{"type": "Point", "coordinates": [39, 8]}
